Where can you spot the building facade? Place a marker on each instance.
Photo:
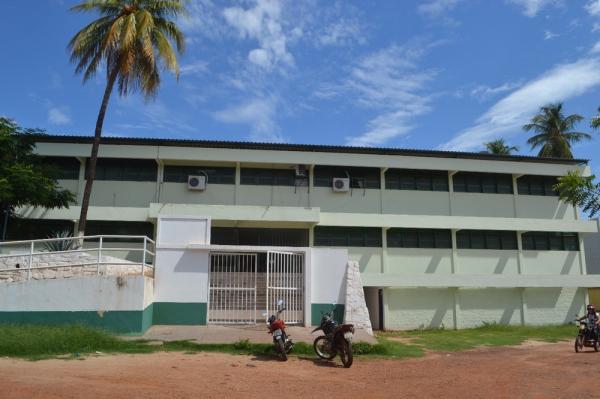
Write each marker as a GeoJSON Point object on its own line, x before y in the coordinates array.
{"type": "Point", "coordinates": [443, 239]}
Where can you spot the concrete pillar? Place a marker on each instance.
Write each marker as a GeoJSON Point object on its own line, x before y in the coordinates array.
{"type": "Point", "coordinates": [456, 308]}
{"type": "Point", "coordinates": [454, 260]}
{"type": "Point", "coordinates": [159, 179]}
{"type": "Point", "coordinates": [524, 317]}
{"type": "Point", "coordinates": [384, 260]}
{"type": "Point", "coordinates": [581, 253]}
{"type": "Point", "coordinates": [238, 174]}
{"type": "Point", "coordinates": [451, 173]}
{"type": "Point", "coordinates": [81, 180]}
{"type": "Point", "coordinates": [382, 186]}
{"type": "Point", "coordinates": [520, 258]}
{"type": "Point", "coordinates": [311, 236]}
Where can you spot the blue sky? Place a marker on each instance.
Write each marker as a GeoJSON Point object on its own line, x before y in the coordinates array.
{"type": "Point", "coordinates": [441, 74]}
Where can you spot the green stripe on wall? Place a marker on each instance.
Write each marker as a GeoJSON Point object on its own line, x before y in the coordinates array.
{"type": "Point", "coordinates": [119, 321]}
{"type": "Point", "coordinates": [317, 308]}
{"type": "Point", "coordinates": [179, 313]}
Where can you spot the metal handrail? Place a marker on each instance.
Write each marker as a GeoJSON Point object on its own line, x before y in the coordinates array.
{"type": "Point", "coordinates": [98, 249]}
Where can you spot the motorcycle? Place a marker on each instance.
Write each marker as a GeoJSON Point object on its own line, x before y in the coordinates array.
{"type": "Point", "coordinates": [587, 336]}
{"type": "Point", "coordinates": [276, 326]}
{"type": "Point", "coordinates": [337, 339]}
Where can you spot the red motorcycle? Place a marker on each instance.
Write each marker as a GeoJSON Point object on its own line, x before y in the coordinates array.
{"type": "Point", "coordinates": [283, 344]}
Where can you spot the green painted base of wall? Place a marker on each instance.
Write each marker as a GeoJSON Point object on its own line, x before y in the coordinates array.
{"type": "Point", "coordinates": [317, 308]}
{"type": "Point", "coordinates": [179, 313]}
{"type": "Point", "coordinates": [118, 321]}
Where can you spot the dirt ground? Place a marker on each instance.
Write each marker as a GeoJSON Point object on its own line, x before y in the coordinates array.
{"type": "Point", "coordinates": [528, 371]}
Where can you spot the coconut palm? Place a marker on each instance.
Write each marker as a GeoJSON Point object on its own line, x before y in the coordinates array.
{"type": "Point", "coordinates": [132, 40]}
{"type": "Point", "coordinates": [555, 132]}
{"type": "Point", "coordinates": [595, 122]}
{"type": "Point", "coordinates": [499, 147]}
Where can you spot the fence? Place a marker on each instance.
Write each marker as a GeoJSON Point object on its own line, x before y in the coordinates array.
{"type": "Point", "coordinates": [88, 253]}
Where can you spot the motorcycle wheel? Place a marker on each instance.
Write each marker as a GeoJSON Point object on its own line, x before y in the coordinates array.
{"type": "Point", "coordinates": [578, 344]}
{"type": "Point", "coordinates": [346, 354]}
{"type": "Point", "coordinates": [321, 347]}
{"type": "Point", "coordinates": [281, 349]}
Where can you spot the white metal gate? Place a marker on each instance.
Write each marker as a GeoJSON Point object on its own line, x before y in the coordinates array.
{"type": "Point", "coordinates": [285, 280]}
{"type": "Point", "coordinates": [232, 288]}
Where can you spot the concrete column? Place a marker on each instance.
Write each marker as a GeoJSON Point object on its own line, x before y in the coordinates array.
{"type": "Point", "coordinates": [520, 252]}
{"type": "Point", "coordinates": [311, 236]}
{"type": "Point", "coordinates": [523, 306]}
{"type": "Point", "coordinates": [311, 181]}
{"type": "Point", "coordinates": [159, 179]}
{"type": "Point", "coordinates": [382, 186]}
{"type": "Point", "coordinates": [384, 260]}
{"type": "Point", "coordinates": [451, 189]}
{"type": "Point", "coordinates": [456, 308]}
{"type": "Point", "coordinates": [454, 260]}
{"type": "Point", "coordinates": [581, 253]}
{"type": "Point", "coordinates": [81, 180]}
{"type": "Point", "coordinates": [515, 193]}
{"type": "Point", "coordinates": [238, 174]}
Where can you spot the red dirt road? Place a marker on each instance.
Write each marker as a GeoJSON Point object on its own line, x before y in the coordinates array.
{"type": "Point", "coordinates": [529, 371]}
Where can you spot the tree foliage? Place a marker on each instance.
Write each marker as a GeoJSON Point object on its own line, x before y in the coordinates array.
{"type": "Point", "coordinates": [24, 178]}
{"type": "Point", "coordinates": [580, 191]}
{"type": "Point", "coordinates": [499, 147]}
{"type": "Point", "coordinates": [554, 132]}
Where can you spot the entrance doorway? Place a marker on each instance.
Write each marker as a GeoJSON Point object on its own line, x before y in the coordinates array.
{"type": "Point", "coordinates": [243, 285]}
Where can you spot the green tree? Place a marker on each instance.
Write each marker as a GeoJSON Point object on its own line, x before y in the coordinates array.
{"type": "Point", "coordinates": [499, 147]}
{"type": "Point", "coordinates": [132, 39]}
{"type": "Point", "coordinates": [554, 132]}
{"type": "Point", "coordinates": [580, 191]}
{"type": "Point", "coordinates": [595, 122]}
{"type": "Point", "coordinates": [24, 177]}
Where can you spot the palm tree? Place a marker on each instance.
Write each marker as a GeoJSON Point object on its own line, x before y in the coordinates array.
{"type": "Point", "coordinates": [595, 122]}
{"type": "Point", "coordinates": [555, 132]}
{"type": "Point", "coordinates": [132, 39]}
{"type": "Point", "coordinates": [499, 147]}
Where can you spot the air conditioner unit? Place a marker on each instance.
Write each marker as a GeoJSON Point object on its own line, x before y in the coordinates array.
{"type": "Point", "coordinates": [341, 184]}
{"type": "Point", "coordinates": [197, 183]}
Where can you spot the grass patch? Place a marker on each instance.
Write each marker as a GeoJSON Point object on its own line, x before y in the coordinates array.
{"type": "Point", "coordinates": [486, 335]}
{"type": "Point", "coordinates": [39, 342]}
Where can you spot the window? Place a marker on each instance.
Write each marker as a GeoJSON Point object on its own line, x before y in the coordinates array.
{"type": "Point", "coordinates": [421, 180]}
{"type": "Point", "coordinates": [359, 177]}
{"type": "Point", "coordinates": [65, 168]}
{"type": "Point", "coordinates": [33, 229]}
{"type": "Point", "coordinates": [330, 236]}
{"type": "Point", "coordinates": [486, 239]}
{"type": "Point", "coordinates": [537, 185]}
{"type": "Point", "coordinates": [490, 183]}
{"type": "Point", "coordinates": [419, 238]}
{"type": "Point", "coordinates": [259, 237]}
{"type": "Point", "coordinates": [216, 174]}
{"type": "Point", "coordinates": [268, 177]}
{"type": "Point", "coordinates": [550, 241]}
{"type": "Point", "coordinates": [125, 169]}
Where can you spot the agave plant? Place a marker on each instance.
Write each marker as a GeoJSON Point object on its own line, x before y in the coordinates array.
{"type": "Point", "coordinates": [58, 244]}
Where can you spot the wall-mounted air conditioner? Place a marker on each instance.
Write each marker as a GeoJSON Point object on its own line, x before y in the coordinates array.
{"type": "Point", "coordinates": [341, 184]}
{"type": "Point", "coordinates": [197, 183]}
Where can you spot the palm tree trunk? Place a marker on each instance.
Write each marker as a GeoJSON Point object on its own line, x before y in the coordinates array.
{"type": "Point", "coordinates": [91, 171]}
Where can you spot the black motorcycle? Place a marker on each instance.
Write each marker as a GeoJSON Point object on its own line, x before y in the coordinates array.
{"type": "Point", "coordinates": [337, 339]}
{"type": "Point", "coordinates": [588, 335]}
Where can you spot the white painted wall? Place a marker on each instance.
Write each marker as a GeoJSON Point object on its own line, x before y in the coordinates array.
{"type": "Point", "coordinates": [478, 261]}
{"type": "Point", "coordinates": [419, 261]}
{"type": "Point", "coordinates": [369, 259]}
{"type": "Point", "coordinates": [551, 262]}
{"type": "Point", "coordinates": [486, 205]}
{"type": "Point", "coordinates": [178, 193]}
{"type": "Point", "coordinates": [539, 207]}
{"type": "Point", "coordinates": [413, 308]}
{"type": "Point", "coordinates": [408, 202]}
{"type": "Point", "coordinates": [77, 294]}
{"type": "Point", "coordinates": [180, 231]}
{"type": "Point", "coordinates": [592, 252]}
{"type": "Point", "coordinates": [122, 193]}
{"type": "Point", "coordinates": [328, 271]}
{"type": "Point", "coordinates": [490, 305]}
{"type": "Point", "coordinates": [359, 200]}
{"type": "Point", "coordinates": [273, 196]}
{"type": "Point", "coordinates": [181, 275]}
{"type": "Point", "coordinates": [553, 305]}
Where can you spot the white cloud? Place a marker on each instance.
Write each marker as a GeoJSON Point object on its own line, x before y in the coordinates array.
{"type": "Point", "coordinates": [549, 35]}
{"type": "Point", "coordinates": [390, 82]}
{"type": "Point", "coordinates": [259, 114]}
{"type": "Point", "coordinates": [595, 49]}
{"type": "Point", "coordinates": [197, 67]}
{"type": "Point", "coordinates": [593, 7]}
{"type": "Point", "coordinates": [532, 7]}
{"type": "Point", "coordinates": [59, 116]}
{"type": "Point", "coordinates": [203, 20]}
{"type": "Point", "coordinates": [508, 115]}
{"type": "Point", "coordinates": [484, 92]}
{"type": "Point", "coordinates": [435, 8]}
{"type": "Point", "coordinates": [341, 33]}
{"type": "Point", "coordinates": [263, 23]}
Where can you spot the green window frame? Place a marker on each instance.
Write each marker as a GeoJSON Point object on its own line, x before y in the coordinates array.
{"type": "Point", "coordinates": [323, 176]}
{"type": "Point", "coordinates": [419, 238]}
{"type": "Point", "coordinates": [486, 183]}
{"type": "Point", "coordinates": [550, 241]}
{"type": "Point", "coordinates": [337, 236]}
{"type": "Point", "coordinates": [216, 174]}
{"type": "Point", "coordinates": [416, 180]}
{"type": "Point", "coordinates": [486, 239]}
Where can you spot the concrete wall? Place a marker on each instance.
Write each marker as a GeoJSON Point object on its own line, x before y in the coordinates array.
{"type": "Point", "coordinates": [477, 204]}
{"type": "Point", "coordinates": [539, 207]}
{"type": "Point", "coordinates": [475, 261]}
{"type": "Point", "coordinates": [418, 308]}
{"type": "Point", "coordinates": [123, 193]}
{"type": "Point", "coordinates": [419, 261]}
{"type": "Point", "coordinates": [121, 304]}
{"type": "Point", "coordinates": [551, 262]}
{"type": "Point", "coordinates": [369, 259]}
{"type": "Point", "coordinates": [592, 252]}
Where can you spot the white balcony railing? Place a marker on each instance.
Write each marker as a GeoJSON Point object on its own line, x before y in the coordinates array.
{"type": "Point", "coordinates": [87, 255]}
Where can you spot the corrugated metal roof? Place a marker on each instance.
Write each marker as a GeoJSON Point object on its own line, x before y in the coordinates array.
{"type": "Point", "coordinates": [47, 138]}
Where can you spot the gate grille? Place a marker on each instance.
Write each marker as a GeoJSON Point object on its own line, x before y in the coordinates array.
{"type": "Point", "coordinates": [232, 288]}
{"type": "Point", "coordinates": [285, 280]}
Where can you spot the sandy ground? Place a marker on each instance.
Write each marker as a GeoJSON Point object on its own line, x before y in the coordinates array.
{"type": "Point", "coordinates": [528, 371]}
